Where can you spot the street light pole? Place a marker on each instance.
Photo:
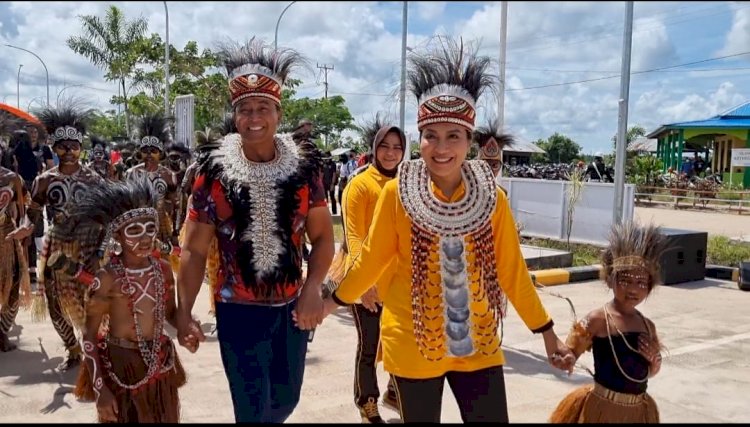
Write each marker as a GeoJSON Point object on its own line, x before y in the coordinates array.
{"type": "Point", "coordinates": [276, 34]}
{"type": "Point", "coordinates": [622, 125]}
{"type": "Point", "coordinates": [57, 100]}
{"type": "Point", "coordinates": [402, 97]}
{"type": "Point", "coordinates": [503, 44]}
{"type": "Point", "coordinates": [166, 65]}
{"type": "Point", "coordinates": [40, 60]}
{"type": "Point", "coordinates": [18, 87]}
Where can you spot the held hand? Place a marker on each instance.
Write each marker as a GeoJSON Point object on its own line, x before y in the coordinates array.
{"type": "Point", "coordinates": [309, 311]}
{"type": "Point", "coordinates": [106, 406]}
{"type": "Point", "coordinates": [371, 300]}
{"type": "Point", "coordinates": [558, 354]}
{"type": "Point", "coordinates": [189, 332]}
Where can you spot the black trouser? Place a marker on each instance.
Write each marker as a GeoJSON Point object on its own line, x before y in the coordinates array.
{"type": "Point", "coordinates": [480, 396]}
{"type": "Point", "coordinates": [332, 199]}
{"type": "Point", "coordinates": [368, 338]}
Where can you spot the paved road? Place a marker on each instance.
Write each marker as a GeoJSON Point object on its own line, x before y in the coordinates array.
{"type": "Point", "coordinates": [715, 223]}
{"type": "Point", "coordinates": [704, 378]}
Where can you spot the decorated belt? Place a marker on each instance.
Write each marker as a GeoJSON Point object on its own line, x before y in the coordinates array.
{"type": "Point", "coordinates": [125, 343]}
{"type": "Point", "coordinates": [617, 397]}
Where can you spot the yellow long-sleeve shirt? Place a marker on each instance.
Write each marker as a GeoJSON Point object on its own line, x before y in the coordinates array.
{"type": "Point", "coordinates": [389, 238]}
{"type": "Point", "coordinates": [358, 208]}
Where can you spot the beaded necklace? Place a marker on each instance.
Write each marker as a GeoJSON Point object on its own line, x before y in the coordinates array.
{"type": "Point", "coordinates": [607, 317]}
{"type": "Point", "coordinates": [151, 354]}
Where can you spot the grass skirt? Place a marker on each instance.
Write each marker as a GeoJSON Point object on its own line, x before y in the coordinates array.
{"type": "Point", "coordinates": [589, 404]}
{"type": "Point", "coordinates": [155, 402]}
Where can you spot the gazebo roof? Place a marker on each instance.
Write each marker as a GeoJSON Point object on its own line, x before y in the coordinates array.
{"type": "Point", "coordinates": [735, 118]}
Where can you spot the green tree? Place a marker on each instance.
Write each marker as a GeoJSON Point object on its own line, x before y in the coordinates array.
{"type": "Point", "coordinates": [106, 124]}
{"type": "Point", "coordinates": [330, 116]}
{"type": "Point", "coordinates": [189, 72]}
{"type": "Point", "coordinates": [108, 44]}
{"type": "Point", "coordinates": [559, 148]}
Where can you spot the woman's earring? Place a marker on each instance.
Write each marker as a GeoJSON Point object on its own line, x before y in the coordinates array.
{"type": "Point", "coordinates": [116, 247]}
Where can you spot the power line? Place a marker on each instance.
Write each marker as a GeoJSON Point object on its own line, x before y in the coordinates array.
{"type": "Point", "coordinates": [635, 72]}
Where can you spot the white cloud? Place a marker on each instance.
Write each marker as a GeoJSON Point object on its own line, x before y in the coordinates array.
{"type": "Point", "coordinates": [738, 37]}
{"type": "Point", "coordinates": [551, 43]}
{"type": "Point", "coordinates": [429, 10]}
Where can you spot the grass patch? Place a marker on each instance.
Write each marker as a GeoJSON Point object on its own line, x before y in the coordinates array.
{"type": "Point", "coordinates": [723, 251]}
{"type": "Point", "coordinates": [583, 254]}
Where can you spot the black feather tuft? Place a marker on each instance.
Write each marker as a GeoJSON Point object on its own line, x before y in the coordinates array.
{"type": "Point", "coordinates": [233, 55]}
{"type": "Point", "coordinates": [490, 130]}
{"type": "Point", "coordinates": [154, 125]}
{"type": "Point", "coordinates": [449, 62]}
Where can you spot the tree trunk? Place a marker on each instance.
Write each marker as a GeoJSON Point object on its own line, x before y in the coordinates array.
{"type": "Point", "coordinates": [127, 115]}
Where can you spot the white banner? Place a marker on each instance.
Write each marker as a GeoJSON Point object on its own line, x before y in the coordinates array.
{"type": "Point", "coordinates": [741, 157]}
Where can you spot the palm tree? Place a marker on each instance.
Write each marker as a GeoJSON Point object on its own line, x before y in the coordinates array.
{"type": "Point", "coordinates": [108, 44]}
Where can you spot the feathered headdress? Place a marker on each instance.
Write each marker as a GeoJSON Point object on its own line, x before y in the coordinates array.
{"type": "Point", "coordinates": [447, 82]}
{"type": "Point", "coordinates": [491, 141]}
{"type": "Point", "coordinates": [8, 123]}
{"type": "Point", "coordinates": [153, 131]}
{"type": "Point", "coordinates": [256, 69]}
{"type": "Point", "coordinates": [180, 148]}
{"type": "Point", "coordinates": [113, 203]}
{"type": "Point", "coordinates": [633, 246]}
{"type": "Point", "coordinates": [65, 122]}
{"type": "Point", "coordinates": [98, 143]}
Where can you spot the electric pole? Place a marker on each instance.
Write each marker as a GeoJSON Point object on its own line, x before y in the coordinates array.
{"type": "Point", "coordinates": [325, 69]}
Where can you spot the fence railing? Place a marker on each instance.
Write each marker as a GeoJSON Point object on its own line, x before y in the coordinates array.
{"type": "Point", "coordinates": [716, 199]}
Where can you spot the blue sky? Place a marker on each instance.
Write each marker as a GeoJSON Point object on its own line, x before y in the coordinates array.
{"type": "Point", "coordinates": [548, 44]}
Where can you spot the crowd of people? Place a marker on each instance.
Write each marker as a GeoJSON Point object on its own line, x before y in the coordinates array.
{"type": "Point", "coordinates": [430, 256]}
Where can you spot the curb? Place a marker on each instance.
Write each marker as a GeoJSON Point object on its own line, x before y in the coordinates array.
{"type": "Point", "coordinates": [723, 273]}
{"type": "Point", "coordinates": [563, 276]}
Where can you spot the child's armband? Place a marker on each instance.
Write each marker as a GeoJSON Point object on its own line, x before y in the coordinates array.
{"type": "Point", "coordinates": [579, 339]}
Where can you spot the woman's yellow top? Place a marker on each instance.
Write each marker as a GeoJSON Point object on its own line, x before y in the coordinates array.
{"type": "Point", "coordinates": [390, 238]}
{"type": "Point", "coordinates": [358, 207]}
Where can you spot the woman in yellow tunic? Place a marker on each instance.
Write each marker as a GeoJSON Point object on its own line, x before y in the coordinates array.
{"type": "Point", "coordinates": [451, 232]}
{"type": "Point", "coordinates": [358, 206]}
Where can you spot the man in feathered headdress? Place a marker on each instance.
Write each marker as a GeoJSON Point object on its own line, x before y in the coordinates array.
{"type": "Point", "coordinates": [99, 161]}
{"type": "Point", "coordinates": [258, 193]}
{"type": "Point", "coordinates": [57, 189]}
{"type": "Point", "coordinates": [491, 142]}
{"type": "Point", "coordinates": [153, 131]}
{"type": "Point", "coordinates": [127, 158]}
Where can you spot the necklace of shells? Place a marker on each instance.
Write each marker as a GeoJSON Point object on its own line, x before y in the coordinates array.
{"type": "Point", "coordinates": [450, 231]}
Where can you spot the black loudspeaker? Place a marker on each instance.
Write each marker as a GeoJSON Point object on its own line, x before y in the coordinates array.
{"type": "Point", "coordinates": [744, 280]}
{"type": "Point", "coordinates": [685, 257]}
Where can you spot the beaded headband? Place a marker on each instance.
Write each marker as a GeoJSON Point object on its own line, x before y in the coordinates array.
{"type": "Point", "coordinates": [254, 80]}
{"type": "Point", "coordinates": [446, 103]}
{"type": "Point", "coordinates": [151, 141]}
{"type": "Point", "coordinates": [67, 133]}
{"type": "Point", "coordinates": [121, 219]}
{"type": "Point", "coordinates": [628, 262]}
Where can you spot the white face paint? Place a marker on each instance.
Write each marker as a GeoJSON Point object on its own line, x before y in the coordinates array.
{"type": "Point", "coordinates": [139, 236]}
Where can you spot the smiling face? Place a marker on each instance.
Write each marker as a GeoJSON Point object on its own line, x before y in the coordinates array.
{"type": "Point", "coordinates": [257, 119]}
{"type": "Point", "coordinates": [68, 152]}
{"type": "Point", "coordinates": [390, 152]}
{"type": "Point", "coordinates": [137, 236]}
{"type": "Point", "coordinates": [443, 148]}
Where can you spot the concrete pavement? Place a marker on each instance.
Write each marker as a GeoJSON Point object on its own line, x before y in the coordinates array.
{"type": "Point", "coordinates": [704, 377]}
{"type": "Point", "coordinates": [726, 224]}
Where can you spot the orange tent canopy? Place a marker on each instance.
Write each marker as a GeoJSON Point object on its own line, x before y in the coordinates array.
{"type": "Point", "coordinates": [19, 113]}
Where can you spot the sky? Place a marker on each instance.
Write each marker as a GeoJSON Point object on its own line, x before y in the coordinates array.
{"type": "Point", "coordinates": [690, 60]}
